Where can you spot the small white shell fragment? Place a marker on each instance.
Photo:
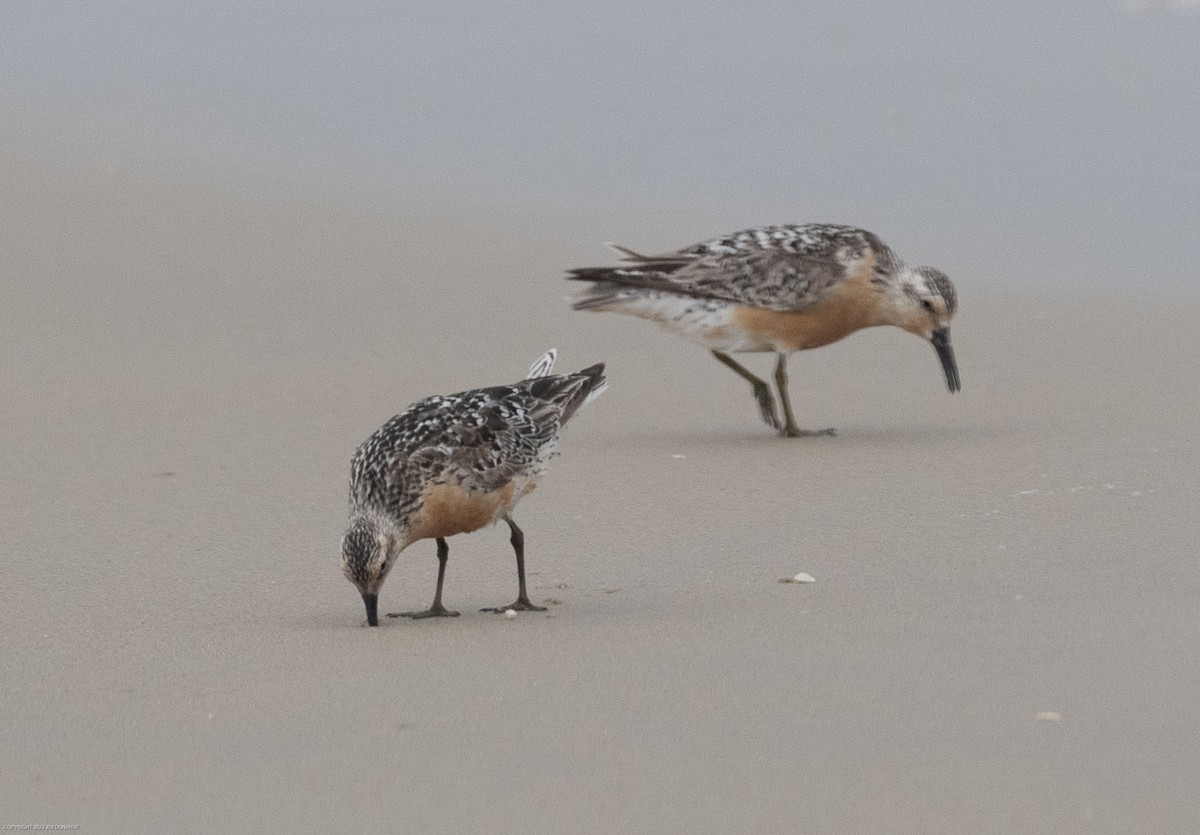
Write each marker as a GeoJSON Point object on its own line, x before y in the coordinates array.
{"type": "Point", "coordinates": [680, 457]}
{"type": "Point", "coordinates": [804, 578]}
{"type": "Point", "coordinates": [1049, 716]}
{"type": "Point", "coordinates": [510, 613]}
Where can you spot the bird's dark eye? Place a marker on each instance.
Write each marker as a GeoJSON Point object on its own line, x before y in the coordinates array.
{"type": "Point", "coordinates": [927, 304]}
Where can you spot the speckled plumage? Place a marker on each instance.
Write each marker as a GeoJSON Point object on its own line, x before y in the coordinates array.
{"type": "Point", "coordinates": [781, 268]}
{"type": "Point", "coordinates": [780, 289]}
{"type": "Point", "coordinates": [452, 464]}
{"type": "Point", "coordinates": [481, 439]}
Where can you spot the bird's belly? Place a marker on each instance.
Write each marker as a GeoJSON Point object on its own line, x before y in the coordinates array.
{"type": "Point", "coordinates": [449, 509]}
{"type": "Point", "coordinates": [704, 321]}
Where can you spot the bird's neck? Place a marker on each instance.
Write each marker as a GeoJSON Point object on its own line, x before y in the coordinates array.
{"type": "Point", "coordinates": [887, 306]}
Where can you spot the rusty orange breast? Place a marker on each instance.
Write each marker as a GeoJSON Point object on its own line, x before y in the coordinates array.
{"type": "Point", "coordinates": [449, 509]}
{"type": "Point", "coordinates": [849, 308]}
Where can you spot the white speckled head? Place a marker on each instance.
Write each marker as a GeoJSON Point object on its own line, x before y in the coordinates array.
{"type": "Point", "coordinates": [368, 554]}
{"type": "Point", "coordinates": [923, 300]}
{"type": "Point", "coordinates": [923, 303]}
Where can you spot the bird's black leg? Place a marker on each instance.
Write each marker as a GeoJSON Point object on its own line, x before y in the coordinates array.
{"type": "Point", "coordinates": [789, 428]}
{"type": "Point", "coordinates": [437, 610]}
{"type": "Point", "coordinates": [523, 604]}
{"type": "Point", "coordinates": [762, 392]}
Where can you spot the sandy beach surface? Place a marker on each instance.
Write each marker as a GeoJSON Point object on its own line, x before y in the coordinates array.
{"type": "Point", "coordinates": [1002, 636]}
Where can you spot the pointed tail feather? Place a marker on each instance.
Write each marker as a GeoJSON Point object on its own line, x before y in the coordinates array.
{"type": "Point", "coordinates": [615, 284]}
{"type": "Point", "coordinates": [568, 392]}
{"type": "Point", "coordinates": [594, 393]}
{"type": "Point", "coordinates": [543, 365]}
{"type": "Point", "coordinates": [648, 277]}
{"type": "Point", "coordinates": [611, 285]}
{"type": "Point", "coordinates": [667, 261]}
{"type": "Point", "coordinates": [627, 253]}
{"type": "Point", "coordinates": [599, 295]}
{"type": "Point", "coordinates": [594, 384]}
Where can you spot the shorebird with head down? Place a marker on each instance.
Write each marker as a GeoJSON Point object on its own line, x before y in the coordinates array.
{"type": "Point", "coordinates": [781, 289]}
{"type": "Point", "coordinates": [453, 464]}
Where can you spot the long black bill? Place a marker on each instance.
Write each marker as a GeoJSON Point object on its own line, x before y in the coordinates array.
{"type": "Point", "coordinates": [372, 612]}
{"type": "Point", "coordinates": [941, 344]}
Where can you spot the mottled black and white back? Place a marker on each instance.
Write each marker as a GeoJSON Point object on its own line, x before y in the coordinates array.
{"type": "Point", "coordinates": [482, 438]}
{"type": "Point", "coordinates": [781, 268]}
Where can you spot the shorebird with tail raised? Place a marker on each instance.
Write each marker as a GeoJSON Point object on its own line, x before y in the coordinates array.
{"type": "Point", "coordinates": [780, 289]}
{"type": "Point", "coordinates": [453, 464]}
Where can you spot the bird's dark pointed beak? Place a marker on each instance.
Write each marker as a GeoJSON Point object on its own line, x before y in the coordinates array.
{"type": "Point", "coordinates": [941, 344]}
{"type": "Point", "coordinates": [372, 602]}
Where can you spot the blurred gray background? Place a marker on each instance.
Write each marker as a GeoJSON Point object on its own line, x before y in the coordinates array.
{"type": "Point", "coordinates": [1020, 143]}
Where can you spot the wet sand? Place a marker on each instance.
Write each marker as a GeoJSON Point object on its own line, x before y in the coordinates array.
{"type": "Point", "coordinates": [190, 361]}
